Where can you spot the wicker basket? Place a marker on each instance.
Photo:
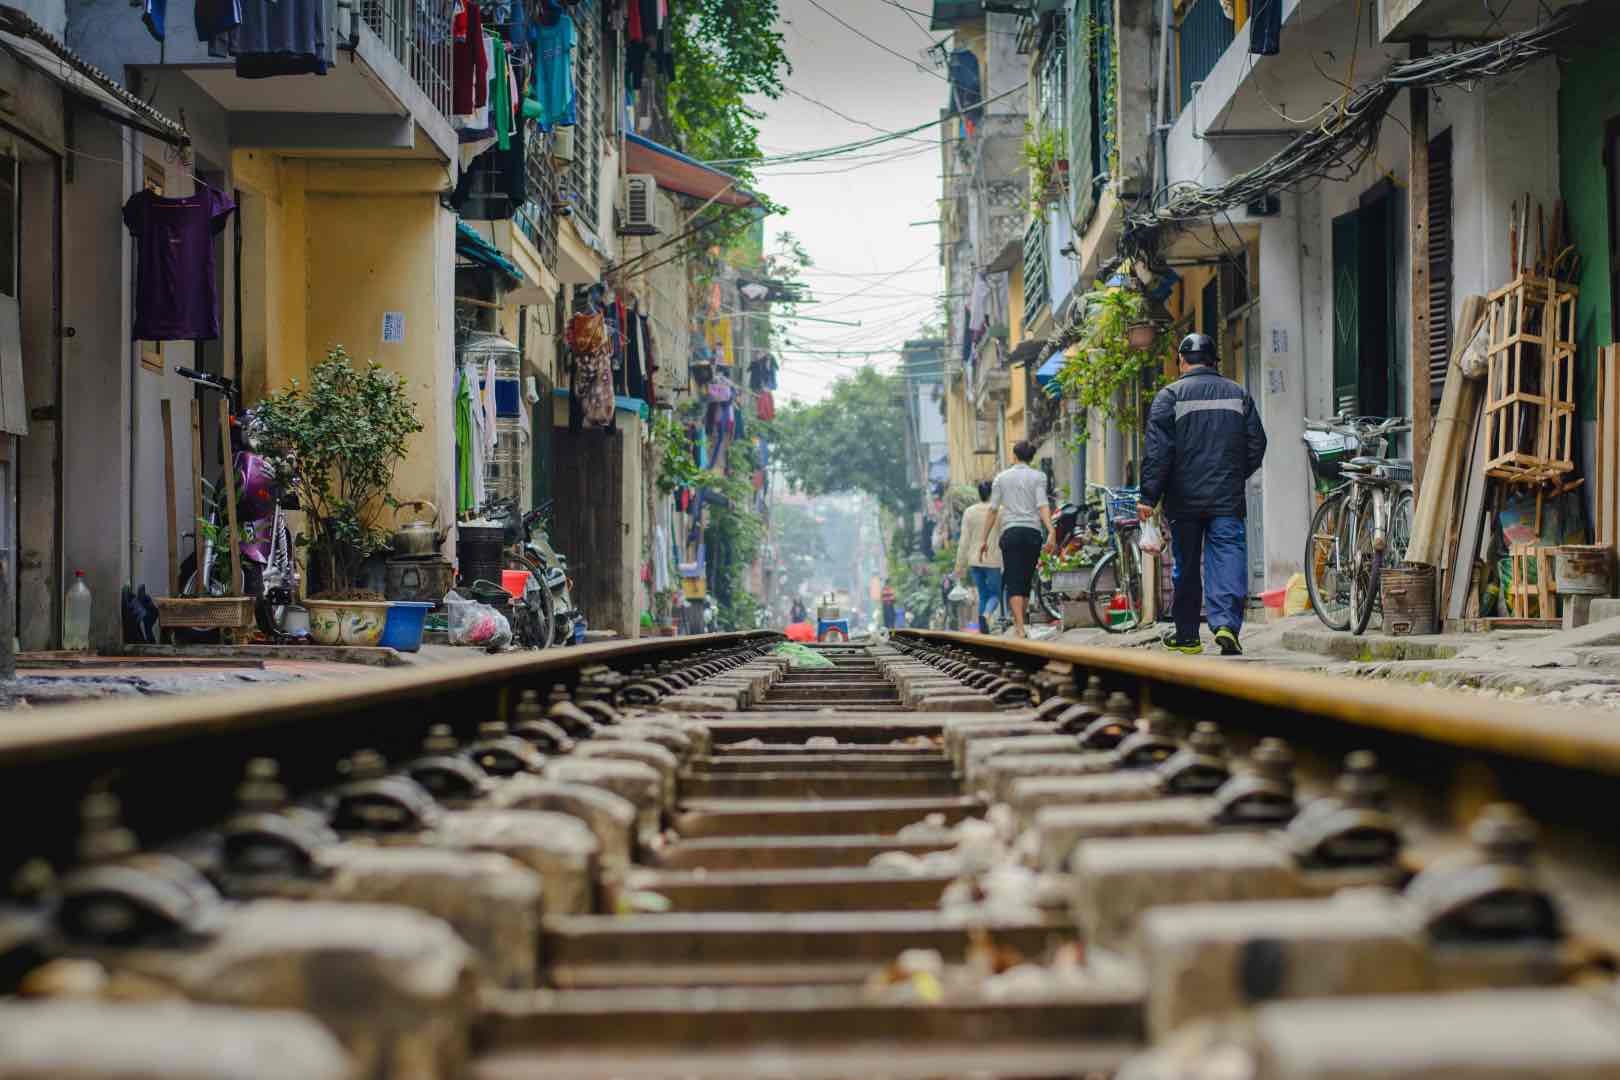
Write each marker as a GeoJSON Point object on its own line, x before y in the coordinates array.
{"type": "Point", "coordinates": [205, 612]}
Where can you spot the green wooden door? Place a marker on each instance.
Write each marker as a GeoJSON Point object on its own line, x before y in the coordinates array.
{"type": "Point", "coordinates": [1347, 312]}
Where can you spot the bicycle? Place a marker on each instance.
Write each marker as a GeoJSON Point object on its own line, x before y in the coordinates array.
{"type": "Point", "coordinates": [269, 570]}
{"type": "Point", "coordinates": [1123, 564]}
{"type": "Point", "coordinates": [1364, 522]}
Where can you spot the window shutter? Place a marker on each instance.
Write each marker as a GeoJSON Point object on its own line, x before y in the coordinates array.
{"type": "Point", "coordinates": [1103, 91]}
{"type": "Point", "coordinates": [1034, 269]}
{"type": "Point", "coordinates": [1347, 312]}
{"type": "Point", "coordinates": [1080, 105]}
{"type": "Point", "coordinates": [1441, 246]}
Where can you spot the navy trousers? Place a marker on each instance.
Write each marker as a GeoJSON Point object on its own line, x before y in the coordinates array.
{"type": "Point", "coordinates": [1212, 568]}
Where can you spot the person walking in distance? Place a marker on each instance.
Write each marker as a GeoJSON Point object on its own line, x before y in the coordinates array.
{"type": "Point", "coordinates": [1018, 504]}
{"type": "Point", "coordinates": [888, 605]}
{"type": "Point", "coordinates": [985, 549]}
{"type": "Point", "coordinates": [1204, 441]}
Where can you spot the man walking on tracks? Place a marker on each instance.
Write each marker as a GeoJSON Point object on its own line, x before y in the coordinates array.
{"type": "Point", "coordinates": [1018, 503]}
{"type": "Point", "coordinates": [1204, 441]}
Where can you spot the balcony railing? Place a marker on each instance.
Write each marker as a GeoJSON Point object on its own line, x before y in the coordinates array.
{"type": "Point", "coordinates": [1201, 41]}
{"type": "Point", "coordinates": [417, 32]}
{"type": "Point", "coordinates": [538, 217]}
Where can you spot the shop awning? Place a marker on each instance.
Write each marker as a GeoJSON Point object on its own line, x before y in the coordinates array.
{"type": "Point", "coordinates": [1046, 375]}
{"type": "Point", "coordinates": [469, 245]}
{"type": "Point", "coordinates": [1030, 352]}
{"type": "Point", "coordinates": [36, 48]}
{"type": "Point", "coordinates": [677, 172]}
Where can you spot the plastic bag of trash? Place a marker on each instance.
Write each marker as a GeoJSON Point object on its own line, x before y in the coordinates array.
{"type": "Point", "coordinates": [802, 656]}
{"type": "Point", "coordinates": [472, 623]}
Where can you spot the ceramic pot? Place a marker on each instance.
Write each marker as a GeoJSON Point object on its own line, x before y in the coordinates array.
{"type": "Point", "coordinates": [346, 622]}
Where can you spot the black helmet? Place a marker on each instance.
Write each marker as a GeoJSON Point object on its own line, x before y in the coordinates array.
{"type": "Point", "coordinates": [1197, 349]}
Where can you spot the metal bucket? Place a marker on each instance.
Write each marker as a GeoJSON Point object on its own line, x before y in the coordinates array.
{"type": "Point", "coordinates": [1407, 595]}
{"type": "Point", "coordinates": [420, 580]}
{"type": "Point", "coordinates": [1584, 569]}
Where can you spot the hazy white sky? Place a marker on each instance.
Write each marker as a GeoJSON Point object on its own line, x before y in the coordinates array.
{"type": "Point", "coordinates": [853, 213]}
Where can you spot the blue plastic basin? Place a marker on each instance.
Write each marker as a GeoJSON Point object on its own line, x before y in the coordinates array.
{"type": "Point", "coordinates": [402, 630]}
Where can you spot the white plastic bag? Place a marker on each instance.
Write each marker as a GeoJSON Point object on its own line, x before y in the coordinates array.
{"type": "Point", "coordinates": [1152, 539]}
{"type": "Point", "coordinates": [472, 623]}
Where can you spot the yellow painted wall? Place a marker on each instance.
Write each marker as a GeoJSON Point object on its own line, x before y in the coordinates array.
{"type": "Point", "coordinates": [328, 247]}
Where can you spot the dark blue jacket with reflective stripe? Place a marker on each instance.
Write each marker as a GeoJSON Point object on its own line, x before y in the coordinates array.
{"type": "Point", "coordinates": [1204, 439]}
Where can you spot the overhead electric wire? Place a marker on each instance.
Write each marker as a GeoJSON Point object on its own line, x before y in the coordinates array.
{"type": "Point", "coordinates": [852, 119]}
{"type": "Point", "coordinates": [874, 41]}
{"type": "Point", "coordinates": [877, 140]}
{"type": "Point", "coordinates": [1340, 145]}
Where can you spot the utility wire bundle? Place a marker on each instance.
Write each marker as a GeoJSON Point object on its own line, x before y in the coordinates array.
{"type": "Point", "coordinates": [1349, 135]}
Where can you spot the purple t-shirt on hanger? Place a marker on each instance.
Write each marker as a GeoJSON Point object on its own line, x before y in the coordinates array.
{"type": "Point", "coordinates": [174, 268]}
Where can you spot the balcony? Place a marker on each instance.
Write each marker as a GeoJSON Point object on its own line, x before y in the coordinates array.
{"type": "Point", "coordinates": [387, 85]}
{"type": "Point", "coordinates": [1403, 20]}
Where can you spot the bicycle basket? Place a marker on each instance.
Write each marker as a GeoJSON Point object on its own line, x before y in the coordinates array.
{"type": "Point", "coordinates": [1329, 450]}
{"type": "Point", "coordinates": [1398, 471]}
{"type": "Point", "coordinates": [1122, 504]}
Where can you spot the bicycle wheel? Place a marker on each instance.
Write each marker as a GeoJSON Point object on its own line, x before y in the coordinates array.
{"type": "Point", "coordinates": [1110, 578]}
{"type": "Point", "coordinates": [1327, 579]}
{"type": "Point", "coordinates": [1047, 600]}
{"type": "Point", "coordinates": [543, 621]}
{"type": "Point", "coordinates": [1364, 573]}
{"type": "Point", "coordinates": [1400, 529]}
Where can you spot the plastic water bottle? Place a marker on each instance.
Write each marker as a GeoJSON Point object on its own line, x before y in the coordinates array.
{"type": "Point", "coordinates": [76, 616]}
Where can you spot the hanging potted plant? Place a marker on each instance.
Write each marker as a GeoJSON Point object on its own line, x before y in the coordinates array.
{"type": "Point", "coordinates": [1048, 168]}
{"type": "Point", "coordinates": [334, 443]}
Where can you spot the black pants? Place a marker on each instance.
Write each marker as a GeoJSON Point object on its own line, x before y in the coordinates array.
{"type": "Point", "coordinates": [1020, 551]}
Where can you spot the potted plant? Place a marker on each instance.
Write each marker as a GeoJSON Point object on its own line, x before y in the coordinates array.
{"type": "Point", "coordinates": [1048, 167]}
{"type": "Point", "coordinates": [334, 444]}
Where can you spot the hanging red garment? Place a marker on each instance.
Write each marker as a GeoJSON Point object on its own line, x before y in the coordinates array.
{"type": "Point", "coordinates": [764, 405]}
{"type": "Point", "coordinates": [469, 73]}
{"type": "Point", "coordinates": [636, 32]}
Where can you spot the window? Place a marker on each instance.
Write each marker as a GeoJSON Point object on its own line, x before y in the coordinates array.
{"type": "Point", "coordinates": [8, 226]}
{"type": "Point", "coordinates": [585, 175]}
{"type": "Point", "coordinates": [538, 216]}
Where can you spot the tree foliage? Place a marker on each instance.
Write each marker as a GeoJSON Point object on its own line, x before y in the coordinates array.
{"type": "Point", "coordinates": [334, 444]}
{"type": "Point", "coordinates": [725, 51]}
{"type": "Point", "coordinates": [854, 440]}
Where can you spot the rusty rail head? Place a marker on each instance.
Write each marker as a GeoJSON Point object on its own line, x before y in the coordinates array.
{"type": "Point", "coordinates": [176, 760]}
{"type": "Point", "coordinates": [1577, 739]}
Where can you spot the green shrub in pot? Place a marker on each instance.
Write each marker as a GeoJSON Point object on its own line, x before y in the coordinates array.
{"type": "Point", "coordinates": [335, 443]}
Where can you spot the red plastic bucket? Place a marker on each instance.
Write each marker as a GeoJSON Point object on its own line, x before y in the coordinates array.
{"type": "Point", "coordinates": [513, 581]}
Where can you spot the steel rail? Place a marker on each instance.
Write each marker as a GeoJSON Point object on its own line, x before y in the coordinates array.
{"type": "Point", "coordinates": [1580, 739]}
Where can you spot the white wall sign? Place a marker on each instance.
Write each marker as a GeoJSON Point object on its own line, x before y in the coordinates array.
{"type": "Point", "coordinates": [1279, 340]}
{"type": "Point", "coordinates": [393, 330]}
{"type": "Point", "coordinates": [1274, 380]}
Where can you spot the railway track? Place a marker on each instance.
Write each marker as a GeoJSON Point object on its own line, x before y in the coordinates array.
{"type": "Point", "coordinates": [942, 856]}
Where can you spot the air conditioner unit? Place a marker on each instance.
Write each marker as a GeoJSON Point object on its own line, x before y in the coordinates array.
{"type": "Point", "coordinates": [640, 208]}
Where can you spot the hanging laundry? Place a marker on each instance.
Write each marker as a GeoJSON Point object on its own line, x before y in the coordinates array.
{"type": "Point", "coordinates": [650, 359]}
{"type": "Point", "coordinates": [1265, 28]}
{"type": "Point", "coordinates": [553, 102]}
{"type": "Point", "coordinates": [469, 70]}
{"type": "Point", "coordinates": [765, 405]}
{"type": "Point", "coordinates": [979, 305]}
{"type": "Point", "coordinates": [500, 94]}
{"type": "Point", "coordinates": [466, 474]}
{"type": "Point", "coordinates": [592, 380]}
{"type": "Point", "coordinates": [966, 93]}
{"type": "Point", "coordinates": [282, 37]}
{"type": "Point", "coordinates": [211, 17]}
{"type": "Point", "coordinates": [174, 269]}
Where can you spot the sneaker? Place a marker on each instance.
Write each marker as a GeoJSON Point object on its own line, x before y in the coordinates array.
{"type": "Point", "coordinates": [1174, 644]}
{"type": "Point", "coordinates": [1227, 639]}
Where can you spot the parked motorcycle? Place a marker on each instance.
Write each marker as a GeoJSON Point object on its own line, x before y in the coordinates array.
{"type": "Point", "coordinates": [545, 615]}
{"type": "Point", "coordinates": [269, 571]}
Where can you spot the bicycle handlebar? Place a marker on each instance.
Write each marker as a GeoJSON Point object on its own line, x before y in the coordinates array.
{"type": "Point", "coordinates": [1358, 428]}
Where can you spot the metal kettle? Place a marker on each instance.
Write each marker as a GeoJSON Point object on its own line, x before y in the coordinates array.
{"type": "Point", "coordinates": [417, 538]}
